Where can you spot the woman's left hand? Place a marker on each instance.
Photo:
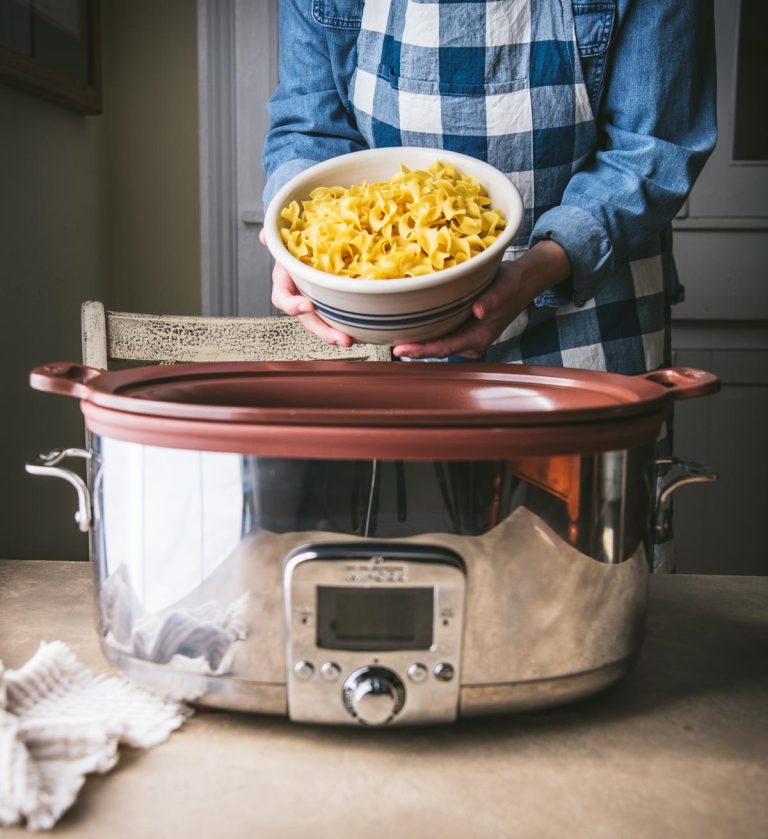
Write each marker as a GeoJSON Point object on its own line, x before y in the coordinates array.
{"type": "Point", "coordinates": [517, 284]}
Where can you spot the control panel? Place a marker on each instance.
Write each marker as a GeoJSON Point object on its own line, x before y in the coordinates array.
{"type": "Point", "coordinates": [374, 633]}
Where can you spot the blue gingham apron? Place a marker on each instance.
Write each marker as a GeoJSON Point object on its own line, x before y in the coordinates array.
{"type": "Point", "coordinates": [501, 80]}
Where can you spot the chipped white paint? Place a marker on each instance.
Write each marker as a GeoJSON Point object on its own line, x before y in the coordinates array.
{"type": "Point", "coordinates": [126, 336]}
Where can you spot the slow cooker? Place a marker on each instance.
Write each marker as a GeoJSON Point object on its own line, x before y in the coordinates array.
{"type": "Point", "coordinates": [370, 544]}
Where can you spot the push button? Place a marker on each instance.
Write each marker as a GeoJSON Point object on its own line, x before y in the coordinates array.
{"type": "Point", "coordinates": [304, 670]}
{"type": "Point", "coordinates": [417, 673]}
{"type": "Point", "coordinates": [330, 671]}
{"type": "Point", "coordinates": [444, 671]}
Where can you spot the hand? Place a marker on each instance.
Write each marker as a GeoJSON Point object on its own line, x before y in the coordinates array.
{"type": "Point", "coordinates": [289, 299]}
{"type": "Point", "coordinates": [516, 285]}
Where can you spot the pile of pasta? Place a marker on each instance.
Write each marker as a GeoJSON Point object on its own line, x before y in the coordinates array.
{"type": "Point", "coordinates": [415, 223]}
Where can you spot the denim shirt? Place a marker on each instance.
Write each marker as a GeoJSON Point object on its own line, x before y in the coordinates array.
{"type": "Point", "coordinates": [649, 71]}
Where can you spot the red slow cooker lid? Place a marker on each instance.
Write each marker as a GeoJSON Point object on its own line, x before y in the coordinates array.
{"type": "Point", "coordinates": [230, 406]}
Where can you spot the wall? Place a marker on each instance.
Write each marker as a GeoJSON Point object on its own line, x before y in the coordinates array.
{"type": "Point", "coordinates": [102, 207]}
{"type": "Point", "coordinates": [151, 155]}
{"type": "Point", "coordinates": [52, 256]}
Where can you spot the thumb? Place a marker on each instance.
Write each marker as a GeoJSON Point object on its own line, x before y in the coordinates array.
{"type": "Point", "coordinates": [501, 290]}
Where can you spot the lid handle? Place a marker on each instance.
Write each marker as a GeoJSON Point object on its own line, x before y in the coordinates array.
{"type": "Point", "coordinates": [64, 377]}
{"type": "Point", "coordinates": [684, 382]}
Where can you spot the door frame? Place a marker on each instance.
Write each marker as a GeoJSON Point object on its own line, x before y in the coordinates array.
{"type": "Point", "coordinates": [237, 73]}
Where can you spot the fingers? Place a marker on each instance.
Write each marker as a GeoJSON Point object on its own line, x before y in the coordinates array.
{"type": "Point", "coordinates": [505, 286]}
{"type": "Point", "coordinates": [262, 237]}
{"type": "Point", "coordinates": [286, 296]}
{"type": "Point", "coordinates": [312, 323]}
{"type": "Point", "coordinates": [471, 341]}
{"type": "Point", "coordinates": [493, 311]}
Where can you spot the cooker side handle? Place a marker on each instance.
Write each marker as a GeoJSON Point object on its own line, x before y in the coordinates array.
{"type": "Point", "coordinates": [684, 382]}
{"type": "Point", "coordinates": [682, 473]}
{"type": "Point", "coordinates": [64, 377]}
{"type": "Point", "coordinates": [47, 464]}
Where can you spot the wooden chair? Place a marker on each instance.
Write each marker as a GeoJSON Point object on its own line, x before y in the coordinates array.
{"type": "Point", "coordinates": [165, 339]}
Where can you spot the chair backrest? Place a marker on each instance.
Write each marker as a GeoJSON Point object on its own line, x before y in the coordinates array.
{"type": "Point", "coordinates": [126, 336]}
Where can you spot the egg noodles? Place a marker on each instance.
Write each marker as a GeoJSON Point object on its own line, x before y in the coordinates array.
{"type": "Point", "coordinates": [415, 223]}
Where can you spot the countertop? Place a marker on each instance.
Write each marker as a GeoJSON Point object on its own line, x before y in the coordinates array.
{"type": "Point", "coordinates": [678, 749]}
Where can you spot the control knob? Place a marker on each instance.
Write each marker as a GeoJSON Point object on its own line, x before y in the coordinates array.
{"type": "Point", "coordinates": [374, 695]}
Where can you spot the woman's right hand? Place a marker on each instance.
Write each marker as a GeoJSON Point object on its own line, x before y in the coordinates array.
{"type": "Point", "coordinates": [287, 298]}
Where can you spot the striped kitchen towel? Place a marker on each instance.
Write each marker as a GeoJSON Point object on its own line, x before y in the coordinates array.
{"type": "Point", "coordinates": [58, 722]}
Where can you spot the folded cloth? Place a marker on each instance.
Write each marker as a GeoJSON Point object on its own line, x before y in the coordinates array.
{"type": "Point", "coordinates": [60, 721]}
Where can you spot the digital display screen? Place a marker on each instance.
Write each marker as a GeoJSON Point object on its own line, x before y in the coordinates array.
{"type": "Point", "coordinates": [374, 618]}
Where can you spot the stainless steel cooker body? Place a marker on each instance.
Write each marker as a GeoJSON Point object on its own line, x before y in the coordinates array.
{"type": "Point", "coordinates": [190, 551]}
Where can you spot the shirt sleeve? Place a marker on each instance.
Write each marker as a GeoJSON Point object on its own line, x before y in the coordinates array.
{"type": "Point", "coordinates": [309, 116]}
{"type": "Point", "coordinates": [656, 128]}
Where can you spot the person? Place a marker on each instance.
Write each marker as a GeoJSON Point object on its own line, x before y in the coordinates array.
{"type": "Point", "coordinates": [601, 113]}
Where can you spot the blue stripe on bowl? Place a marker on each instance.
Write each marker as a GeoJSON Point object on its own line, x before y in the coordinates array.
{"type": "Point", "coordinates": [453, 304]}
{"type": "Point", "coordinates": [373, 323]}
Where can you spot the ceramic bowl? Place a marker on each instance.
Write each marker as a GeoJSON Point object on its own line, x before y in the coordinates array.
{"type": "Point", "coordinates": [409, 308]}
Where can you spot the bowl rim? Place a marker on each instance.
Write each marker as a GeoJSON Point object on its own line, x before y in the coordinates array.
{"type": "Point", "coordinates": [333, 282]}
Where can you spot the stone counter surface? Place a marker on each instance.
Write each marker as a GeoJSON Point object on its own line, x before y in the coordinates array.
{"type": "Point", "coordinates": [678, 749]}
